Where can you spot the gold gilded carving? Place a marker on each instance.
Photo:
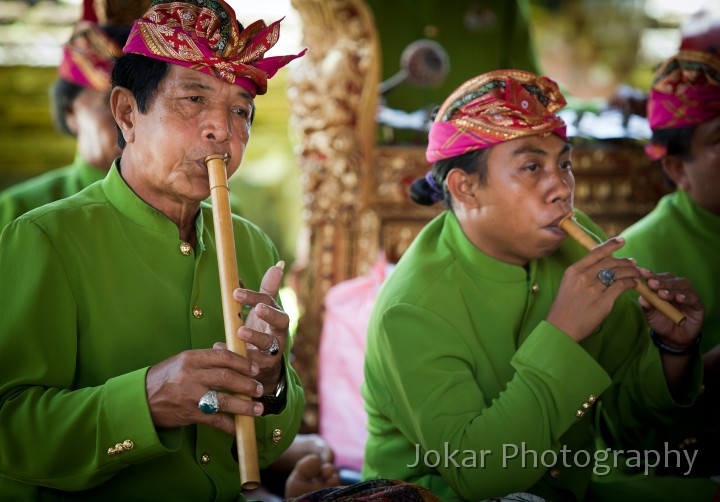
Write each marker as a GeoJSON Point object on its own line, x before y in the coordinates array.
{"type": "Point", "coordinates": [615, 183]}
{"type": "Point", "coordinates": [333, 96]}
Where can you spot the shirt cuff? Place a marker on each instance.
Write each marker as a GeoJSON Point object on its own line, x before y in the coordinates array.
{"type": "Point", "coordinates": [573, 378]}
{"type": "Point", "coordinates": [126, 426]}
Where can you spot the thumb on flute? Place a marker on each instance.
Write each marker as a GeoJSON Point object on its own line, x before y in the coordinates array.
{"type": "Point", "coordinates": [272, 280]}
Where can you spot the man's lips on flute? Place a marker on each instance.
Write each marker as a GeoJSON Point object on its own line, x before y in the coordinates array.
{"type": "Point", "coordinates": [554, 226]}
{"type": "Point", "coordinates": [202, 161]}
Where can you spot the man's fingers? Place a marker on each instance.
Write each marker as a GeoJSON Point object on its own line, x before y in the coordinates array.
{"type": "Point", "coordinates": [268, 291]}
{"type": "Point", "coordinates": [601, 252]}
{"type": "Point", "coordinates": [262, 341]}
{"type": "Point", "coordinates": [270, 284]}
{"type": "Point", "coordinates": [276, 318]}
{"type": "Point", "coordinates": [229, 406]}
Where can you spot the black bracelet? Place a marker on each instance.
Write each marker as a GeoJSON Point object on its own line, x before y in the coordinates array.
{"type": "Point", "coordinates": [674, 350]}
{"type": "Point", "coordinates": [273, 403]}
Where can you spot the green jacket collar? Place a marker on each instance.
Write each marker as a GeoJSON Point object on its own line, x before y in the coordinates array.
{"type": "Point", "coordinates": [475, 261]}
{"type": "Point", "coordinates": [706, 223]}
{"type": "Point", "coordinates": [140, 212]}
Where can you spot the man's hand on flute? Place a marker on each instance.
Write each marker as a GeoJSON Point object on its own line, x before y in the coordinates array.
{"type": "Point", "coordinates": [266, 328]}
{"type": "Point", "coordinates": [679, 292]}
{"type": "Point", "coordinates": [583, 301]}
{"type": "Point", "coordinates": [175, 386]}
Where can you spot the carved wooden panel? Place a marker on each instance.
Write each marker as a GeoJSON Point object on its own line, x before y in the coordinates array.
{"type": "Point", "coordinates": [615, 183]}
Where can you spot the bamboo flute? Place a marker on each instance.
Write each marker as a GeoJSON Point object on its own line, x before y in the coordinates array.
{"type": "Point", "coordinates": [570, 226]}
{"type": "Point", "coordinates": [232, 314]}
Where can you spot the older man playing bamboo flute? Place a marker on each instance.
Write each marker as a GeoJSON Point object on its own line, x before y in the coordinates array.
{"type": "Point", "coordinates": [114, 381]}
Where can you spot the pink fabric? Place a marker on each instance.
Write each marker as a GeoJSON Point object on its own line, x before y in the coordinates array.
{"type": "Point", "coordinates": [685, 92]}
{"type": "Point", "coordinates": [493, 108]}
{"type": "Point", "coordinates": [686, 104]}
{"type": "Point", "coordinates": [88, 57]}
{"type": "Point", "coordinates": [341, 364]}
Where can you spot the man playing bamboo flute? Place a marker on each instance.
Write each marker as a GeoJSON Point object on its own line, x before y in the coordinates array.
{"type": "Point", "coordinates": [498, 345]}
{"type": "Point", "coordinates": [114, 383]}
{"type": "Point", "coordinates": [682, 234]}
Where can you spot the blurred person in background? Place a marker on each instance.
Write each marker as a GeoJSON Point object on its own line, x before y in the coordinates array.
{"type": "Point", "coordinates": [80, 100]}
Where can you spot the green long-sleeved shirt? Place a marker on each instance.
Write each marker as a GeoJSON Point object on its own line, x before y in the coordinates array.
{"type": "Point", "coordinates": [679, 236]}
{"type": "Point", "coordinates": [97, 288]}
{"type": "Point", "coordinates": [460, 358]}
{"type": "Point", "coordinates": [48, 187]}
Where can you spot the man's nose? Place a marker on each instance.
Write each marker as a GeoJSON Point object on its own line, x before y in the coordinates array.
{"type": "Point", "coordinates": [217, 125]}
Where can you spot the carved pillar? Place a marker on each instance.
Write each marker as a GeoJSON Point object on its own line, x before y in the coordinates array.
{"type": "Point", "coordinates": [333, 96]}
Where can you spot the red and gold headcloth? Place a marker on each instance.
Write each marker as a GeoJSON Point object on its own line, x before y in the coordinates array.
{"type": "Point", "coordinates": [493, 108]}
{"type": "Point", "coordinates": [88, 57]}
{"type": "Point", "coordinates": [685, 92]}
{"type": "Point", "coordinates": [204, 35]}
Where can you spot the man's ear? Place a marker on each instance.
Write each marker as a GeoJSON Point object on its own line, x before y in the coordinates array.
{"type": "Point", "coordinates": [463, 187]}
{"type": "Point", "coordinates": [70, 118]}
{"type": "Point", "coordinates": [675, 169]}
{"type": "Point", "coordinates": [124, 109]}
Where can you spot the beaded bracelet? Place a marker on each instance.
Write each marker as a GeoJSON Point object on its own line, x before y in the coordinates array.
{"type": "Point", "coordinates": [674, 350]}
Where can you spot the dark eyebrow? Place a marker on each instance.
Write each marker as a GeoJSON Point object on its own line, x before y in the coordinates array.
{"type": "Point", "coordinates": [533, 149]}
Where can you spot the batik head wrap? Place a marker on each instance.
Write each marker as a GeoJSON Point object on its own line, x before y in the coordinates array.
{"type": "Point", "coordinates": [685, 92]}
{"type": "Point", "coordinates": [493, 108]}
{"type": "Point", "coordinates": [204, 35]}
{"type": "Point", "coordinates": [88, 57]}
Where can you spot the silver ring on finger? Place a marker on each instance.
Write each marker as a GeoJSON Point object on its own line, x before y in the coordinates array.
{"type": "Point", "coordinates": [606, 276]}
{"type": "Point", "coordinates": [273, 349]}
{"type": "Point", "coordinates": [209, 403]}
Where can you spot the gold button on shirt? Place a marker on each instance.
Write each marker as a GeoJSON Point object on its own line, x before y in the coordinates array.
{"type": "Point", "coordinates": [185, 248]}
{"type": "Point", "coordinates": [119, 448]}
{"type": "Point", "coordinates": [586, 405]}
{"type": "Point", "coordinates": [197, 312]}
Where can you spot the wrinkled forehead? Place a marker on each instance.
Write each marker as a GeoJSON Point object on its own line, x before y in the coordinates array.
{"type": "Point", "coordinates": [546, 145]}
{"type": "Point", "coordinates": [183, 79]}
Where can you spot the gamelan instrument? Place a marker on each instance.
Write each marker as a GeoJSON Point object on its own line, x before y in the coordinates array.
{"type": "Point", "coordinates": [232, 313]}
{"type": "Point", "coordinates": [574, 230]}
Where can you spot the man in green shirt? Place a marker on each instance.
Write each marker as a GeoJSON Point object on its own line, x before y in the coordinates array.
{"type": "Point", "coordinates": [497, 346]}
{"type": "Point", "coordinates": [81, 108]}
{"type": "Point", "coordinates": [114, 383]}
{"type": "Point", "coordinates": [682, 234]}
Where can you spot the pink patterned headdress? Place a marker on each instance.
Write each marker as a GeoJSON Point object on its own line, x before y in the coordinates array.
{"type": "Point", "coordinates": [685, 92]}
{"type": "Point", "coordinates": [88, 57]}
{"type": "Point", "coordinates": [204, 35]}
{"type": "Point", "coordinates": [493, 108]}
